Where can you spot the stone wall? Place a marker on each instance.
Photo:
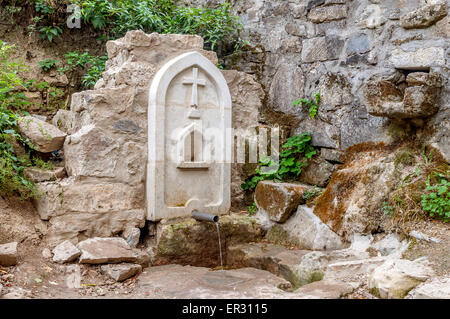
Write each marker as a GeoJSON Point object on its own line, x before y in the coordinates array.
{"type": "Point", "coordinates": [106, 147]}
{"type": "Point", "coordinates": [335, 47]}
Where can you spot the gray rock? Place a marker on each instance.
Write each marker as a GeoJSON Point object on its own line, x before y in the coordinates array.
{"type": "Point", "coordinates": [322, 48]}
{"type": "Point", "coordinates": [327, 13]}
{"type": "Point", "coordinates": [420, 59]}
{"type": "Point", "coordinates": [304, 229]}
{"type": "Point", "coordinates": [44, 136]}
{"type": "Point", "coordinates": [421, 236]}
{"type": "Point", "coordinates": [279, 200]}
{"type": "Point", "coordinates": [65, 252]}
{"type": "Point", "coordinates": [299, 267]}
{"type": "Point", "coordinates": [332, 155]}
{"type": "Point", "coordinates": [358, 43]}
{"type": "Point", "coordinates": [105, 250]}
{"type": "Point", "coordinates": [318, 172]}
{"type": "Point", "coordinates": [396, 277]}
{"type": "Point", "coordinates": [121, 272]}
{"type": "Point", "coordinates": [8, 254]}
{"type": "Point", "coordinates": [436, 288]}
{"type": "Point", "coordinates": [424, 16]}
{"type": "Point", "coordinates": [133, 237]}
{"type": "Point", "coordinates": [127, 126]}
{"type": "Point", "coordinates": [73, 278]}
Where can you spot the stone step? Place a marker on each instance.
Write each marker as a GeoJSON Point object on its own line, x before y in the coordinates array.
{"type": "Point", "coordinates": [302, 267]}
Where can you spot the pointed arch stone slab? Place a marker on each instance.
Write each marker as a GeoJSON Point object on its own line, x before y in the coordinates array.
{"type": "Point", "coordinates": [173, 191]}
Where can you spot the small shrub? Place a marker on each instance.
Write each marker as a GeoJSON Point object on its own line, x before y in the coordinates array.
{"type": "Point", "coordinates": [436, 201]}
{"type": "Point", "coordinates": [12, 180]}
{"type": "Point", "coordinates": [313, 105]}
{"type": "Point", "coordinates": [45, 165]}
{"type": "Point", "coordinates": [50, 32]}
{"type": "Point", "coordinates": [48, 64]}
{"type": "Point", "coordinates": [292, 159]}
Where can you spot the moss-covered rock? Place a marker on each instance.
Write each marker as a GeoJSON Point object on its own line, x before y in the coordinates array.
{"type": "Point", "coordinates": [189, 242]}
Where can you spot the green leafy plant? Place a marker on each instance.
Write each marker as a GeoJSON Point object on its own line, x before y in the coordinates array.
{"type": "Point", "coordinates": [387, 209]}
{"type": "Point", "coordinates": [215, 25]}
{"type": "Point", "coordinates": [12, 180]}
{"type": "Point", "coordinates": [252, 209]}
{"type": "Point", "coordinates": [48, 64]}
{"type": "Point", "coordinates": [309, 194]}
{"type": "Point", "coordinates": [50, 32]}
{"type": "Point", "coordinates": [313, 105]}
{"type": "Point", "coordinates": [45, 165]}
{"type": "Point", "coordinates": [436, 201]}
{"type": "Point", "coordinates": [293, 158]}
{"type": "Point", "coordinates": [93, 65]}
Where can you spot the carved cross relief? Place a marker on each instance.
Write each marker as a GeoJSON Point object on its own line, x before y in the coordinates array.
{"type": "Point", "coordinates": [192, 137]}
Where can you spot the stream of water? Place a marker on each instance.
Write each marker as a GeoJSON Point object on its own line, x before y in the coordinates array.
{"type": "Point", "coordinates": [220, 244]}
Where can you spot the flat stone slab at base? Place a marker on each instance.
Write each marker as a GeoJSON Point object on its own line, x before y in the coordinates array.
{"type": "Point", "coordinates": [122, 272]}
{"type": "Point", "coordinates": [187, 282]}
{"type": "Point", "coordinates": [105, 250]}
{"type": "Point", "coordinates": [8, 254]}
{"type": "Point", "coordinates": [181, 282]}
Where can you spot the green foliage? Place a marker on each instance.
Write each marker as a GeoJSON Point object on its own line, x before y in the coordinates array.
{"type": "Point", "coordinates": [45, 165]}
{"type": "Point", "coordinates": [12, 180]}
{"type": "Point", "coordinates": [313, 105]}
{"type": "Point", "coordinates": [437, 199]}
{"type": "Point", "coordinates": [50, 32]}
{"type": "Point", "coordinates": [94, 66]}
{"type": "Point", "coordinates": [48, 64]}
{"type": "Point", "coordinates": [309, 194]}
{"type": "Point", "coordinates": [10, 81]}
{"type": "Point", "coordinates": [215, 25]}
{"type": "Point", "coordinates": [387, 209]}
{"type": "Point", "coordinates": [292, 159]}
{"type": "Point", "coordinates": [252, 209]}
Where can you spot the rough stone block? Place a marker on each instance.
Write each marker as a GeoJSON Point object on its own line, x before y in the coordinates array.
{"type": "Point", "coordinates": [121, 272]}
{"type": "Point", "coordinates": [279, 200]}
{"type": "Point", "coordinates": [422, 58]}
{"type": "Point", "coordinates": [65, 252]}
{"type": "Point", "coordinates": [46, 137]}
{"type": "Point", "coordinates": [105, 250]}
{"type": "Point", "coordinates": [424, 16]}
{"type": "Point", "coordinates": [327, 13]}
{"type": "Point", "coordinates": [8, 254]}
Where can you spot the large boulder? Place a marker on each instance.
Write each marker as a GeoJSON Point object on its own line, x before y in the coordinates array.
{"type": "Point", "coordinates": [279, 200]}
{"type": "Point", "coordinates": [305, 230]}
{"type": "Point", "coordinates": [396, 277]}
{"type": "Point", "coordinates": [44, 136]}
{"type": "Point", "coordinates": [105, 250]}
{"type": "Point", "coordinates": [8, 254]}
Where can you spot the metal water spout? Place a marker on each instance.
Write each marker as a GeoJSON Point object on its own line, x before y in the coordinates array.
{"type": "Point", "coordinates": [204, 217]}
